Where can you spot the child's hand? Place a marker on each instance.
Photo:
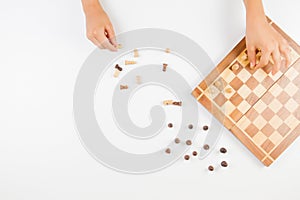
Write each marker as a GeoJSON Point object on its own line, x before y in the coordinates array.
{"type": "Point", "coordinates": [99, 29]}
{"type": "Point", "coordinates": [261, 35]}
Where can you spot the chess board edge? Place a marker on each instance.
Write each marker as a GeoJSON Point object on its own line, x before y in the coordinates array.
{"type": "Point", "coordinates": [198, 93]}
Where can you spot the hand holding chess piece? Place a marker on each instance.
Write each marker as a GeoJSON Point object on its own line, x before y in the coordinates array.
{"type": "Point", "coordinates": [261, 35]}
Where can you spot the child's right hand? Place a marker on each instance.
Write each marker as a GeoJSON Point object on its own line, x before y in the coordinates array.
{"type": "Point", "coordinates": [261, 35]}
{"type": "Point", "coordinates": [99, 29]}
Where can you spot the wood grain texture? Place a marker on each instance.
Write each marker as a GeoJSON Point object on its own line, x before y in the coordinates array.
{"type": "Point", "coordinates": [261, 110]}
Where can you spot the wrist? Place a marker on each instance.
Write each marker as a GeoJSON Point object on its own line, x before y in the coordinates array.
{"type": "Point", "coordinates": [254, 12]}
{"type": "Point", "coordinates": [92, 6]}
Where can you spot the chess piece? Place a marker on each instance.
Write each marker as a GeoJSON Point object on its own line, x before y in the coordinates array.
{"type": "Point", "coordinates": [135, 53]}
{"type": "Point", "coordinates": [235, 67]}
{"type": "Point", "coordinates": [179, 103]}
{"type": "Point", "coordinates": [206, 147]}
{"type": "Point", "coordinates": [177, 140]}
{"type": "Point", "coordinates": [138, 80]}
{"type": "Point", "coordinates": [223, 150]}
{"type": "Point", "coordinates": [168, 102]}
{"type": "Point", "coordinates": [210, 168]}
{"type": "Point", "coordinates": [118, 69]}
{"type": "Point", "coordinates": [130, 62]}
{"type": "Point", "coordinates": [165, 67]}
{"type": "Point", "coordinates": [224, 164]}
{"type": "Point", "coordinates": [123, 87]}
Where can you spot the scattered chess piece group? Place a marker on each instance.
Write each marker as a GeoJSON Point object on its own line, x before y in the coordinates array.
{"type": "Point", "coordinates": [206, 147]}
{"type": "Point", "coordinates": [223, 164]}
{"type": "Point", "coordinates": [188, 142]}
{"type": "Point", "coordinates": [118, 70]}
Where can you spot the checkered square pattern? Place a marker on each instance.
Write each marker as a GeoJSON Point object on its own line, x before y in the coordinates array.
{"type": "Point", "coordinates": [260, 109]}
{"type": "Point", "coordinates": [274, 115]}
{"type": "Point", "coordinates": [246, 87]}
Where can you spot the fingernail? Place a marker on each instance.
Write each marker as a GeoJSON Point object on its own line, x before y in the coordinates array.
{"type": "Point", "coordinates": [252, 64]}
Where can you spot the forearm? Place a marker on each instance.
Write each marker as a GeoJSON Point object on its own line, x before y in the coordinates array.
{"type": "Point", "coordinates": [254, 11]}
{"type": "Point", "coordinates": [91, 4]}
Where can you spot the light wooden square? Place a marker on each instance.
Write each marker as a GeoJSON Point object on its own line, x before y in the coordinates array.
{"type": "Point", "coordinates": [260, 75]}
{"type": "Point", "coordinates": [275, 105]}
{"type": "Point", "coordinates": [211, 92]}
{"type": "Point", "coordinates": [292, 73]}
{"type": "Point", "coordinates": [275, 122]}
{"type": "Point", "coordinates": [228, 95]}
{"type": "Point", "coordinates": [275, 90]}
{"type": "Point", "coordinates": [243, 123]}
{"type": "Point", "coordinates": [259, 138]}
{"type": "Point", "coordinates": [228, 75]}
{"type": "Point", "coordinates": [275, 138]}
{"type": "Point", "coordinates": [228, 108]}
{"type": "Point", "coordinates": [244, 106]}
{"type": "Point", "coordinates": [259, 90]}
{"type": "Point", "coordinates": [260, 106]}
{"type": "Point", "coordinates": [244, 91]}
{"type": "Point", "coordinates": [291, 121]}
{"type": "Point", "coordinates": [244, 75]}
{"type": "Point", "coordinates": [291, 89]}
{"type": "Point", "coordinates": [276, 76]}
{"type": "Point", "coordinates": [260, 122]}
{"type": "Point", "coordinates": [291, 105]}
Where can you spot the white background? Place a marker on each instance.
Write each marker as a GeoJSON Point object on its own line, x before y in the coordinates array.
{"type": "Point", "coordinates": [42, 47]}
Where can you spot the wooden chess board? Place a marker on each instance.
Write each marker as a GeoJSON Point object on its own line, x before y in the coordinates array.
{"type": "Point", "coordinates": [261, 110]}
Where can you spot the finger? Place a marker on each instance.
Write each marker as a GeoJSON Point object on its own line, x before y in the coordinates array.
{"type": "Point", "coordinates": [251, 56]}
{"type": "Point", "coordinates": [264, 60]}
{"type": "Point", "coordinates": [277, 61]}
{"type": "Point", "coordinates": [96, 43]}
{"type": "Point", "coordinates": [111, 35]}
{"type": "Point", "coordinates": [107, 45]}
{"type": "Point", "coordinates": [101, 38]}
{"type": "Point", "coordinates": [91, 37]}
{"type": "Point", "coordinates": [285, 51]}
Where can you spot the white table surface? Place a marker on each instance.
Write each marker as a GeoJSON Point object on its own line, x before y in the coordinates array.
{"type": "Point", "coordinates": [42, 47]}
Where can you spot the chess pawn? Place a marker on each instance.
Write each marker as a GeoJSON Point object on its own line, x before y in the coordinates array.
{"type": "Point", "coordinates": [235, 67]}
{"type": "Point", "coordinates": [165, 67]}
{"type": "Point", "coordinates": [123, 87]}
{"type": "Point", "coordinates": [168, 102]}
{"type": "Point", "coordinates": [244, 56]}
{"type": "Point", "coordinates": [116, 73]}
{"type": "Point", "coordinates": [135, 53]}
{"type": "Point", "coordinates": [119, 46]}
{"type": "Point", "coordinates": [130, 62]}
{"type": "Point", "coordinates": [138, 79]}
{"type": "Point", "coordinates": [179, 103]}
